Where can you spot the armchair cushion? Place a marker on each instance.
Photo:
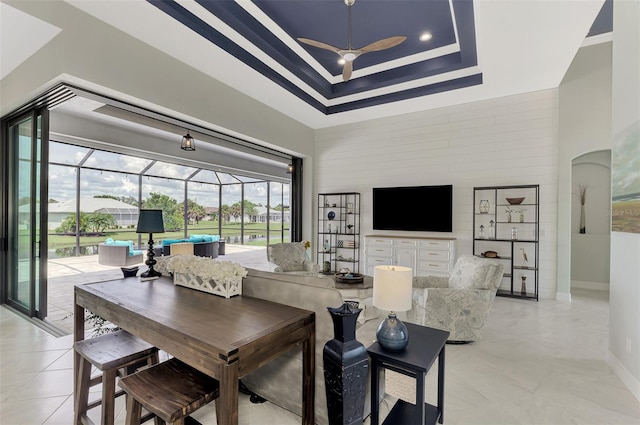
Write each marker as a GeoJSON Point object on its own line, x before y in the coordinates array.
{"type": "Point", "coordinates": [112, 242]}
{"type": "Point", "coordinates": [473, 272]}
{"type": "Point", "coordinates": [289, 257]}
{"type": "Point", "coordinates": [462, 309]}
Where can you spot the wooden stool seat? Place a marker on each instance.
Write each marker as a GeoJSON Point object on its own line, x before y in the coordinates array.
{"type": "Point", "coordinates": [171, 390]}
{"type": "Point", "coordinates": [114, 354]}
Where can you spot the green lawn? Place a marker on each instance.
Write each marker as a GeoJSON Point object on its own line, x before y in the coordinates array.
{"type": "Point", "coordinates": [229, 231]}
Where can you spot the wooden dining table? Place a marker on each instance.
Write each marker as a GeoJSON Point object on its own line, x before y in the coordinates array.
{"type": "Point", "coordinates": [224, 338]}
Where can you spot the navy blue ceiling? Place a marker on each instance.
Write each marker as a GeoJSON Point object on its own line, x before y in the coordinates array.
{"type": "Point", "coordinates": [451, 23]}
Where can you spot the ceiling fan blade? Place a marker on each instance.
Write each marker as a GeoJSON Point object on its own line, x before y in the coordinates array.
{"type": "Point", "coordinates": [319, 44]}
{"type": "Point", "coordinates": [347, 70]}
{"type": "Point", "coordinates": [385, 43]}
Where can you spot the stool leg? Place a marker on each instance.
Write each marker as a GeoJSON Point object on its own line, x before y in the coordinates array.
{"type": "Point", "coordinates": [134, 411]}
{"type": "Point", "coordinates": [108, 395]}
{"type": "Point", "coordinates": [153, 359]}
{"type": "Point", "coordinates": [82, 391]}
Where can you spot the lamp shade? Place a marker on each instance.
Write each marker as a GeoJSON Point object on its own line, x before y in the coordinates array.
{"type": "Point", "coordinates": [150, 221]}
{"type": "Point", "coordinates": [188, 143]}
{"type": "Point", "coordinates": [392, 287]}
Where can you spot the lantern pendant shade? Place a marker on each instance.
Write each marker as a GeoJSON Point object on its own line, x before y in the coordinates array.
{"type": "Point", "coordinates": [188, 143]}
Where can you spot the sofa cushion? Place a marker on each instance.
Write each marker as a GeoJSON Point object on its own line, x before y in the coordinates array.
{"type": "Point", "coordinates": [166, 242]}
{"type": "Point", "coordinates": [472, 272]}
{"type": "Point", "coordinates": [204, 238]}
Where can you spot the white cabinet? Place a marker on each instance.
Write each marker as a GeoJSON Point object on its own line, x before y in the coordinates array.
{"type": "Point", "coordinates": [426, 256]}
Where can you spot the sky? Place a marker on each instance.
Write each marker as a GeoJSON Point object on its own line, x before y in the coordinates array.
{"type": "Point", "coordinates": [117, 175]}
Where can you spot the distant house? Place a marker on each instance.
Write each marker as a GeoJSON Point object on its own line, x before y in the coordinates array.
{"type": "Point", "coordinates": [212, 213]}
{"type": "Point", "coordinates": [124, 214]}
{"type": "Point", "coordinates": [274, 215]}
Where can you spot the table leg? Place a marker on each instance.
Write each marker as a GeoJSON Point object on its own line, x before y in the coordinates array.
{"type": "Point", "coordinates": [309, 377]}
{"type": "Point", "coordinates": [441, 385]}
{"type": "Point", "coordinates": [420, 406]}
{"type": "Point", "coordinates": [375, 392]}
{"type": "Point", "coordinates": [78, 335]}
{"type": "Point", "coordinates": [227, 402]}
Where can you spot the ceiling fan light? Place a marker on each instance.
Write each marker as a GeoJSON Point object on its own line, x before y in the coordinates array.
{"type": "Point", "coordinates": [349, 56]}
{"type": "Point", "coordinates": [341, 61]}
{"type": "Point", "coordinates": [425, 36]}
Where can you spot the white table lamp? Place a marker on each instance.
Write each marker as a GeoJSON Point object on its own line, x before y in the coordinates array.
{"type": "Point", "coordinates": [392, 287]}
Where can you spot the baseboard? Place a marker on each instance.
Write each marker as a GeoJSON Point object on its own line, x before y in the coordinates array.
{"type": "Point", "coordinates": [599, 286]}
{"type": "Point", "coordinates": [563, 296]}
{"type": "Point", "coordinates": [630, 381]}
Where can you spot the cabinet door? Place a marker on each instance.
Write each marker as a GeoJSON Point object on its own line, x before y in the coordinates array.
{"type": "Point", "coordinates": [405, 257]}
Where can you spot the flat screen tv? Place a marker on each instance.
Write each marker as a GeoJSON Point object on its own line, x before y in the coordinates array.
{"type": "Point", "coordinates": [413, 208]}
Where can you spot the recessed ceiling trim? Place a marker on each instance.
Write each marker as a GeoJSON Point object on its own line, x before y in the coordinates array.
{"type": "Point", "coordinates": [408, 85]}
{"type": "Point", "coordinates": [263, 42]}
{"type": "Point", "coordinates": [444, 86]}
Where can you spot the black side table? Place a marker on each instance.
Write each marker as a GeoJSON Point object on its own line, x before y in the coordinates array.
{"type": "Point", "coordinates": [425, 345]}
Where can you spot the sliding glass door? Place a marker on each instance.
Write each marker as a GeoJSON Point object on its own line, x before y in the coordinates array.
{"type": "Point", "coordinates": [26, 200]}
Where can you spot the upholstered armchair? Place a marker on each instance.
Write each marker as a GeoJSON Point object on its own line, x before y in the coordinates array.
{"type": "Point", "coordinates": [290, 257]}
{"type": "Point", "coordinates": [459, 304]}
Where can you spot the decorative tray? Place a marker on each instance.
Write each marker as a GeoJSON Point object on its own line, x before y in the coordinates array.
{"type": "Point", "coordinates": [349, 278]}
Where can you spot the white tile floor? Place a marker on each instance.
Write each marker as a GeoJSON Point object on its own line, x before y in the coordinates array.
{"type": "Point", "coordinates": [538, 363]}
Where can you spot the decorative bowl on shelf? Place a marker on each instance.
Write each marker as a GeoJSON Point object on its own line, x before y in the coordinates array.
{"type": "Point", "coordinates": [490, 254]}
{"type": "Point", "coordinates": [515, 201]}
{"type": "Point", "coordinates": [349, 278]}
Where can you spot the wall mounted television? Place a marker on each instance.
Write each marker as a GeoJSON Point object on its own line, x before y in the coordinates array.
{"type": "Point", "coordinates": [413, 208]}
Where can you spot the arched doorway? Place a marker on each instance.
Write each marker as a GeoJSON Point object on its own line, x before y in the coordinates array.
{"type": "Point", "coordinates": [590, 250]}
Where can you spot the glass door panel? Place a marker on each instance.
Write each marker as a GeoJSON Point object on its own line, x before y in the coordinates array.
{"type": "Point", "coordinates": [26, 283]}
{"type": "Point", "coordinates": [20, 287]}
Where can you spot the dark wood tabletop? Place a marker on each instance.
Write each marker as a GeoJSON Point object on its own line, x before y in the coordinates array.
{"type": "Point", "coordinates": [224, 338]}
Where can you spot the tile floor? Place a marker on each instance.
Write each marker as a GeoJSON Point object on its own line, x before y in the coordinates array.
{"type": "Point", "coordinates": [538, 363]}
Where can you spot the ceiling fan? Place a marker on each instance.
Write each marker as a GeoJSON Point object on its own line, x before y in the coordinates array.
{"type": "Point", "coordinates": [349, 54]}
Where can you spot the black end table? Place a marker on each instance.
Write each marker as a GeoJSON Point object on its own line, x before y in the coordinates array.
{"type": "Point", "coordinates": [425, 345]}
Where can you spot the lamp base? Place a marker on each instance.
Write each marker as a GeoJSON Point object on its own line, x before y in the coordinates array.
{"type": "Point", "coordinates": [151, 273]}
{"type": "Point", "coordinates": [392, 334]}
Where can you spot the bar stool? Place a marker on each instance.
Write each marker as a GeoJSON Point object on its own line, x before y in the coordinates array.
{"type": "Point", "coordinates": [171, 391]}
{"type": "Point", "coordinates": [114, 354]}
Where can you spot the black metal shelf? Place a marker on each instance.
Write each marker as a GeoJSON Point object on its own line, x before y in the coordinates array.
{"type": "Point", "coordinates": [346, 207]}
{"type": "Point", "coordinates": [495, 195]}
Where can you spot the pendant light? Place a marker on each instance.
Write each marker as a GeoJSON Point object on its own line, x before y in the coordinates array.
{"type": "Point", "coordinates": [188, 143]}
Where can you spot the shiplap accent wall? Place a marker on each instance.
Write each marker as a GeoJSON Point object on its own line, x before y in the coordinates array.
{"type": "Point", "coordinates": [505, 141]}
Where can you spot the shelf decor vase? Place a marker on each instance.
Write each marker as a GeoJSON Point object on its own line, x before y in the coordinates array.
{"type": "Point", "coordinates": [346, 367]}
{"type": "Point", "coordinates": [523, 289]}
{"type": "Point", "coordinates": [583, 228]}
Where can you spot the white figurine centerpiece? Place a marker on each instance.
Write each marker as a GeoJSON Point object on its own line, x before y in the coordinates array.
{"type": "Point", "coordinates": [223, 278]}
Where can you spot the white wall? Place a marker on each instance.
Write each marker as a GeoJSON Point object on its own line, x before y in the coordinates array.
{"type": "Point", "coordinates": [624, 312]}
{"type": "Point", "coordinates": [506, 141]}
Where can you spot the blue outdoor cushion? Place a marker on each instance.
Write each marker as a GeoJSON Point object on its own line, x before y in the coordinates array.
{"type": "Point", "coordinates": [110, 241]}
{"type": "Point", "coordinates": [135, 252]}
{"type": "Point", "coordinates": [166, 242]}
